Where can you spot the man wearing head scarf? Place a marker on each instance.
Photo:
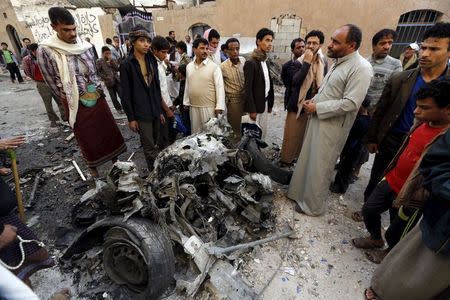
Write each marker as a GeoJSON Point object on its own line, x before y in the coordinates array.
{"type": "Point", "coordinates": [68, 66]}
{"type": "Point", "coordinates": [409, 58]}
{"type": "Point", "coordinates": [213, 38]}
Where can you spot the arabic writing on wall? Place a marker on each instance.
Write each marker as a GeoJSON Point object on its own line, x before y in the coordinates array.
{"type": "Point", "coordinates": [87, 25]}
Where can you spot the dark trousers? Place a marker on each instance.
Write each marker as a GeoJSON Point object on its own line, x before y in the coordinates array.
{"type": "Point", "coordinates": [401, 224]}
{"type": "Point", "coordinates": [46, 94]}
{"type": "Point", "coordinates": [186, 119]}
{"type": "Point", "coordinates": [379, 201]}
{"type": "Point", "coordinates": [345, 169]}
{"type": "Point", "coordinates": [113, 92]}
{"type": "Point", "coordinates": [149, 134]}
{"type": "Point", "coordinates": [2, 158]}
{"type": "Point", "coordinates": [386, 153]}
{"type": "Point", "coordinates": [14, 71]}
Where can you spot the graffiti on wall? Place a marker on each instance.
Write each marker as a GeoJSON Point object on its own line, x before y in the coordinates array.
{"type": "Point", "coordinates": [87, 25]}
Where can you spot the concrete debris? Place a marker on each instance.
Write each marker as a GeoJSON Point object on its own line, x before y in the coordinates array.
{"type": "Point", "coordinates": [289, 270]}
{"type": "Point", "coordinates": [69, 137]}
{"type": "Point", "coordinates": [32, 221]}
{"type": "Point", "coordinates": [30, 202]}
{"type": "Point", "coordinates": [78, 170]}
{"type": "Point", "coordinates": [217, 251]}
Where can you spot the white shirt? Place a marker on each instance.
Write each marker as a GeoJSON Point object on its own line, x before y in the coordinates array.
{"type": "Point", "coordinates": [266, 78]}
{"type": "Point", "coordinates": [189, 49]}
{"type": "Point", "coordinates": [163, 82]}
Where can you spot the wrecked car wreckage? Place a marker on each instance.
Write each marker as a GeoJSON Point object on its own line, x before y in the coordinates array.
{"type": "Point", "coordinates": [201, 206]}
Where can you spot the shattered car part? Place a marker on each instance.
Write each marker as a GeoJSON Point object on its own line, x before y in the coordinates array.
{"type": "Point", "coordinates": [217, 251]}
{"type": "Point", "coordinates": [137, 254]}
{"type": "Point", "coordinates": [226, 283]}
{"type": "Point", "coordinates": [261, 163]}
{"type": "Point", "coordinates": [203, 194]}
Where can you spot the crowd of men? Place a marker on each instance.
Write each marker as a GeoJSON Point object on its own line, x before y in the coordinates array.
{"type": "Point", "coordinates": [340, 107]}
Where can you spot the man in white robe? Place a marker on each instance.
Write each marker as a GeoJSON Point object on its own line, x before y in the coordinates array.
{"type": "Point", "coordinates": [332, 113]}
{"type": "Point", "coordinates": [204, 90]}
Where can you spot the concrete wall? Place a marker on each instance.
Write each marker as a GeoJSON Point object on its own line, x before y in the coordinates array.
{"type": "Point", "coordinates": [246, 17]}
{"type": "Point", "coordinates": [11, 19]}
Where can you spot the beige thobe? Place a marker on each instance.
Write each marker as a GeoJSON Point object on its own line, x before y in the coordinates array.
{"type": "Point", "coordinates": [337, 104]}
{"type": "Point", "coordinates": [204, 92]}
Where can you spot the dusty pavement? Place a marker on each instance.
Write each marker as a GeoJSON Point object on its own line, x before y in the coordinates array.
{"type": "Point", "coordinates": [320, 263]}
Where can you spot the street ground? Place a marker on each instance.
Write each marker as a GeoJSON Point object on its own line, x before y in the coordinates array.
{"type": "Point", "coordinates": [320, 263]}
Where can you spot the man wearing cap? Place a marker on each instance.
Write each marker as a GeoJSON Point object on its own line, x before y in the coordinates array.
{"type": "Point", "coordinates": [409, 57]}
{"type": "Point", "coordinates": [141, 93]}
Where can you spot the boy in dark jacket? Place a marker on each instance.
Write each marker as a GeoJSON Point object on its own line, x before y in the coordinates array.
{"type": "Point", "coordinates": [141, 93]}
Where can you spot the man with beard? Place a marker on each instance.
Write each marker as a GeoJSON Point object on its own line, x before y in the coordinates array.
{"type": "Point", "coordinates": [204, 89]}
{"type": "Point", "coordinates": [258, 83]}
{"type": "Point", "coordinates": [383, 66]}
{"type": "Point", "coordinates": [382, 63]}
{"type": "Point", "coordinates": [305, 83]}
{"type": "Point", "coordinates": [332, 112]}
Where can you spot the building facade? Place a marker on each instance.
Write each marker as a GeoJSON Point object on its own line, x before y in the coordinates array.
{"type": "Point", "coordinates": [242, 19]}
{"type": "Point", "coordinates": [29, 19]}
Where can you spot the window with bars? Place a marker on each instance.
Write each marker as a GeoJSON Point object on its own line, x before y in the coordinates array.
{"type": "Point", "coordinates": [411, 27]}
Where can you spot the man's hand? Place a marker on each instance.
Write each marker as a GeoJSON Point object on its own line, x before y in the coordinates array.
{"type": "Point", "coordinates": [11, 143]}
{"type": "Point", "coordinates": [8, 235]}
{"type": "Point", "coordinates": [373, 148]}
{"type": "Point", "coordinates": [162, 119]}
{"type": "Point", "coordinates": [309, 106]}
{"type": "Point", "coordinates": [186, 107]}
{"type": "Point", "coordinates": [134, 126]}
{"type": "Point", "coordinates": [308, 56]}
{"type": "Point", "coordinates": [253, 116]}
{"type": "Point", "coordinates": [217, 112]}
{"type": "Point", "coordinates": [170, 114]}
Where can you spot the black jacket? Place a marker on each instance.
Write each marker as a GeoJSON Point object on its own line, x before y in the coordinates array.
{"type": "Point", "coordinates": [287, 73]}
{"type": "Point", "coordinates": [255, 99]}
{"type": "Point", "coordinates": [141, 102]}
{"type": "Point", "coordinates": [393, 99]}
{"type": "Point", "coordinates": [299, 72]}
{"type": "Point", "coordinates": [435, 169]}
{"type": "Point", "coordinates": [299, 75]}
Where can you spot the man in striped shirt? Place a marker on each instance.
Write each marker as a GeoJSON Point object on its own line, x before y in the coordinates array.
{"type": "Point", "coordinates": [233, 79]}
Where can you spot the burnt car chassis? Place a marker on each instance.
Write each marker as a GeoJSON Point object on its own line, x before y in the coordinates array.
{"type": "Point", "coordinates": [205, 202]}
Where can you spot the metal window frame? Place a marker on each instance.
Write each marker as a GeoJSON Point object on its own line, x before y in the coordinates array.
{"type": "Point", "coordinates": [411, 27]}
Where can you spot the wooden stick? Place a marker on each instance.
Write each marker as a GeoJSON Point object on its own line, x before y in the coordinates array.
{"type": "Point", "coordinates": [12, 155]}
